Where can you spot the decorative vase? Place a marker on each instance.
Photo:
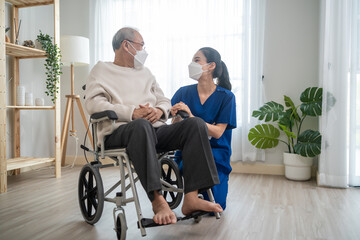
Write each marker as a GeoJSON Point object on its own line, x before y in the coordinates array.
{"type": "Point", "coordinates": [29, 99]}
{"type": "Point", "coordinates": [39, 102]}
{"type": "Point", "coordinates": [20, 95]}
{"type": "Point", "coordinates": [38, 44]}
{"type": "Point", "coordinates": [297, 167]}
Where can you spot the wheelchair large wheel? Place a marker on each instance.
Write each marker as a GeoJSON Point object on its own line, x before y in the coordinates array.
{"type": "Point", "coordinates": [91, 194]}
{"type": "Point", "coordinates": [170, 173]}
{"type": "Point", "coordinates": [121, 226]}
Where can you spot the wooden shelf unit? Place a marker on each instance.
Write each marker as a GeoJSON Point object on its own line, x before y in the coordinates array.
{"type": "Point", "coordinates": [17, 53]}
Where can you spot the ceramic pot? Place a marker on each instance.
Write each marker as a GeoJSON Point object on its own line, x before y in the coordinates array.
{"type": "Point", "coordinates": [297, 167]}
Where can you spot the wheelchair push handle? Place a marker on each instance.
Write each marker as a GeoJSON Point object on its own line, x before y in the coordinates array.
{"type": "Point", "coordinates": [182, 114]}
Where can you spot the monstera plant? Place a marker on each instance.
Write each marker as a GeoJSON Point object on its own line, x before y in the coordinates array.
{"type": "Point", "coordinates": [288, 120]}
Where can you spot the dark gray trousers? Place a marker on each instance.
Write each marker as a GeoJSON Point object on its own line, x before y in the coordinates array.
{"type": "Point", "coordinates": [143, 141]}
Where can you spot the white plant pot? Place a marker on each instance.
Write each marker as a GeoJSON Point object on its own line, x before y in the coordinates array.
{"type": "Point", "coordinates": [297, 167]}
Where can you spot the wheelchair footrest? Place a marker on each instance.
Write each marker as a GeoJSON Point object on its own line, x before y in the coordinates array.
{"type": "Point", "coordinates": [193, 215]}
{"type": "Point", "coordinates": [149, 222]}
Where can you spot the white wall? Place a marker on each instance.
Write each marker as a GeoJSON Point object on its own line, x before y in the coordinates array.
{"type": "Point", "coordinates": [291, 55]}
{"type": "Point", "coordinates": [74, 20]}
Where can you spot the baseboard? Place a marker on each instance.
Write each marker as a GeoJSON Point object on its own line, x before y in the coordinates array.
{"type": "Point", "coordinates": [238, 167]}
{"type": "Point", "coordinates": [257, 168]}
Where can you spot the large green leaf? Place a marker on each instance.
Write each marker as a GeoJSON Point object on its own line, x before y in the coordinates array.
{"type": "Point", "coordinates": [269, 112]}
{"type": "Point", "coordinates": [311, 100]}
{"type": "Point", "coordinates": [289, 103]}
{"type": "Point", "coordinates": [264, 136]}
{"type": "Point", "coordinates": [309, 144]}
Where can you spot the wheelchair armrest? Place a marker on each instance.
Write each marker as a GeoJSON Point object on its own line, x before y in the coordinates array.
{"type": "Point", "coordinates": [105, 115]}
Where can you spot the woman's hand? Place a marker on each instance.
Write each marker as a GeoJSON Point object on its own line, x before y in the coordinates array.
{"type": "Point", "coordinates": [180, 106]}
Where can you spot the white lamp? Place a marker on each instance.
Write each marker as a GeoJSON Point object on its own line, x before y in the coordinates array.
{"type": "Point", "coordinates": [74, 52]}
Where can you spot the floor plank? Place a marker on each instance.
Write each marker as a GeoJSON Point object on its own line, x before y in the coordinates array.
{"type": "Point", "coordinates": [39, 206]}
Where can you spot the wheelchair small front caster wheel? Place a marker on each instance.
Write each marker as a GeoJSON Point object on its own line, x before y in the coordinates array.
{"type": "Point", "coordinates": [170, 173]}
{"type": "Point", "coordinates": [121, 226]}
{"type": "Point", "coordinates": [90, 194]}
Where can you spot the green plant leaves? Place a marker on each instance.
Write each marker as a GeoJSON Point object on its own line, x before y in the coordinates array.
{"type": "Point", "coordinates": [289, 103]}
{"type": "Point", "coordinates": [311, 100]}
{"type": "Point", "coordinates": [53, 64]}
{"type": "Point", "coordinates": [287, 132]}
{"type": "Point", "coordinates": [264, 136]}
{"type": "Point", "coordinates": [269, 112]}
{"type": "Point", "coordinates": [309, 144]}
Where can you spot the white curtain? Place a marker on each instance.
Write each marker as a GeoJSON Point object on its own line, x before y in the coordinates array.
{"type": "Point", "coordinates": [339, 164]}
{"type": "Point", "coordinates": [252, 85]}
{"type": "Point", "coordinates": [174, 30]}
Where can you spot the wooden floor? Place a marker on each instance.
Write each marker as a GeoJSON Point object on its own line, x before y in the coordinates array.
{"type": "Point", "coordinates": [38, 206]}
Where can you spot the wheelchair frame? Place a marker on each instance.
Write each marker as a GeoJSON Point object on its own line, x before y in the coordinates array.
{"type": "Point", "coordinates": [91, 194]}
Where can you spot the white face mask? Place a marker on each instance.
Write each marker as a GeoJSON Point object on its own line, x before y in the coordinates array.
{"type": "Point", "coordinates": [139, 58]}
{"type": "Point", "coordinates": [195, 70]}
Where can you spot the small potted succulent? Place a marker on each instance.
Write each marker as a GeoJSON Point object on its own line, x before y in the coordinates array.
{"type": "Point", "coordinates": [302, 146]}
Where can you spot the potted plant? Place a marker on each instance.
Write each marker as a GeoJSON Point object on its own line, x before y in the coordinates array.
{"type": "Point", "coordinates": [303, 146]}
{"type": "Point", "coordinates": [53, 64]}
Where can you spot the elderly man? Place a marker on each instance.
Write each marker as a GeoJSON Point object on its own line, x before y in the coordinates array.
{"type": "Point", "coordinates": [131, 91]}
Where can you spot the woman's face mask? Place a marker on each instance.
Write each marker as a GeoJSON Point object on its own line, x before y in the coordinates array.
{"type": "Point", "coordinates": [195, 70]}
{"type": "Point", "coordinates": [139, 58]}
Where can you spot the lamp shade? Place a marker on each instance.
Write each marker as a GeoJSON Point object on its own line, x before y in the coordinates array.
{"type": "Point", "coordinates": [74, 50]}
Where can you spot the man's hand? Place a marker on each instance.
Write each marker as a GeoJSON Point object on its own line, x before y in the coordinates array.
{"type": "Point", "coordinates": [149, 113]}
{"type": "Point", "coordinates": [141, 112]}
{"type": "Point", "coordinates": [154, 114]}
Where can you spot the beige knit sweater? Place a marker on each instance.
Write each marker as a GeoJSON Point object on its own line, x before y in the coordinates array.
{"type": "Point", "coordinates": [122, 89]}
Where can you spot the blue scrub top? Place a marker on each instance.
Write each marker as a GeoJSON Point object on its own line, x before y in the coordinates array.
{"type": "Point", "coordinates": [220, 107]}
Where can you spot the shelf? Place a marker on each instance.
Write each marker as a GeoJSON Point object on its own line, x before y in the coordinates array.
{"type": "Point", "coordinates": [29, 3]}
{"type": "Point", "coordinates": [23, 52]}
{"type": "Point", "coordinates": [32, 107]}
{"type": "Point", "coordinates": [21, 162]}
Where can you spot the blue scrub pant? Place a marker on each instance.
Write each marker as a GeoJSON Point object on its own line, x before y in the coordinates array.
{"type": "Point", "coordinates": [220, 190]}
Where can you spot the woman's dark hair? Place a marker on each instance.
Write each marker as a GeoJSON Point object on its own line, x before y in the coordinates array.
{"type": "Point", "coordinates": [220, 71]}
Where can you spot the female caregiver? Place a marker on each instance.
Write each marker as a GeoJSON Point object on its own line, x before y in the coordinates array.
{"type": "Point", "coordinates": [215, 104]}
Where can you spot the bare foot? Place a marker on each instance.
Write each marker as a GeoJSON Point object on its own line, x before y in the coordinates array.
{"type": "Point", "coordinates": [163, 213]}
{"type": "Point", "coordinates": [192, 203]}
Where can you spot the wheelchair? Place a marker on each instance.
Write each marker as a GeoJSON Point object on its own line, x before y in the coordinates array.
{"type": "Point", "coordinates": [91, 194]}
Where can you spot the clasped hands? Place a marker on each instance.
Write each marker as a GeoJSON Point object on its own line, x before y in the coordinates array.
{"type": "Point", "coordinates": [149, 113]}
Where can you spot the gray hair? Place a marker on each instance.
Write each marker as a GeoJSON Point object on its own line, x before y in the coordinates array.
{"type": "Point", "coordinates": [125, 33]}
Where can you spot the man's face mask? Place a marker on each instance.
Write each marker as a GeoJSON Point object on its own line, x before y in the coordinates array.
{"type": "Point", "coordinates": [195, 70]}
{"type": "Point", "coordinates": [139, 58]}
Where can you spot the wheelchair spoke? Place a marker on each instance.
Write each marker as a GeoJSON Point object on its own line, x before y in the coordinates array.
{"type": "Point", "coordinates": [93, 202]}
{"type": "Point", "coordinates": [168, 175]}
{"type": "Point", "coordinates": [165, 194]}
{"type": "Point", "coordinates": [163, 173]}
{"type": "Point", "coordinates": [172, 195]}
